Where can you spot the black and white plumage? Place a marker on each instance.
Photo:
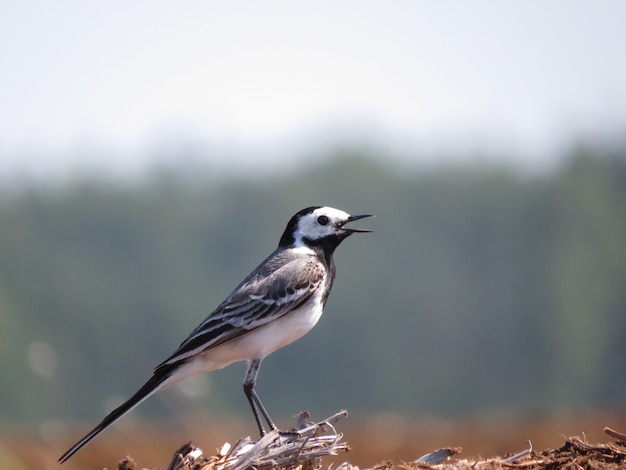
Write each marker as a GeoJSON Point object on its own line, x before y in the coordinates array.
{"type": "Point", "coordinates": [276, 304]}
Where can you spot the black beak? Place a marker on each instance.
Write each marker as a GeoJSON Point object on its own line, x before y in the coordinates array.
{"type": "Point", "coordinates": [352, 218]}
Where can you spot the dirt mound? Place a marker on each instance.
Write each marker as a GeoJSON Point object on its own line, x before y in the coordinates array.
{"type": "Point", "coordinates": [305, 447]}
{"type": "Point", "coordinates": [576, 453]}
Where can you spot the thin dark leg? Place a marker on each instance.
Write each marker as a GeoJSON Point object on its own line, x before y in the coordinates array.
{"type": "Point", "coordinates": [253, 398]}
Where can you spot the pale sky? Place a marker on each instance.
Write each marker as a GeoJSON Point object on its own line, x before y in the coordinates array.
{"type": "Point", "coordinates": [108, 84]}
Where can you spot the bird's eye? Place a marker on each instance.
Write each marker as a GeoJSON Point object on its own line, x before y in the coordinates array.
{"type": "Point", "coordinates": [322, 220]}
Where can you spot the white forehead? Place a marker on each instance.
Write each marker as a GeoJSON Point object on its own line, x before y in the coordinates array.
{"type": "Point", "coordinates": [309, 226]}
{"type": "Point", "coordinates": [333, 214]}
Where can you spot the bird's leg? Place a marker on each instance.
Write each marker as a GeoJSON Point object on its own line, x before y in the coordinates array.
{"type": "Point", "coordinates": [253, 398]}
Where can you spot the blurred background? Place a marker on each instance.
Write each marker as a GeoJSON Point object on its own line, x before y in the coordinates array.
{"type": "Point", "coordinates": [151, 154]}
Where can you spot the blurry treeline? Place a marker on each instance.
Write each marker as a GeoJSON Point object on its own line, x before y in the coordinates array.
{"type": "Point", "coordinates": [481, 287]}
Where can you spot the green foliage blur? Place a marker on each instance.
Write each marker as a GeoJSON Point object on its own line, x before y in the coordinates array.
{"type": "Point", "coordinates": [482, 287]}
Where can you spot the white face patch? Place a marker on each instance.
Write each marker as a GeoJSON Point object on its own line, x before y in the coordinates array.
{"type": "Point", "coordinates": [320, 223]}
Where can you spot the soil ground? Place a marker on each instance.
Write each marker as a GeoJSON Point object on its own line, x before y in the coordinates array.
{"type": "Point", "coordinates": [377, 441]}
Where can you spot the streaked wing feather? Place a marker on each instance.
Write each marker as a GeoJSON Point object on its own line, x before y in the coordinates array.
{"type": "Point", "coordinates": [257, 301]}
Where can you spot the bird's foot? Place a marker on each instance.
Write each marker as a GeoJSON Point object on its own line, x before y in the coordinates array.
{"type": "Point", "coordinates": [293, 433]}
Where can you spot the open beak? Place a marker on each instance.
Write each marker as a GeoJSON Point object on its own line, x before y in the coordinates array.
{"type": "Point", "coordinates": [352, 218]}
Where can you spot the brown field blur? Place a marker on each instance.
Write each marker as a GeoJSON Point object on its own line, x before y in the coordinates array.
{"type": "Point", "coordinates": [373, 438]}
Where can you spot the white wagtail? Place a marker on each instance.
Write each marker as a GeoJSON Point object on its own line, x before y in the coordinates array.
{"type": "Point", "coordinates": [276, 304]}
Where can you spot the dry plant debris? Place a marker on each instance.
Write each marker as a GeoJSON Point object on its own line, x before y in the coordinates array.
{"type": "Point", "coordinates": [299, 449]}
{"type": "Point", "coordinates": [575, 454]}
{"type": "Point", "coordinates": [304, 446]}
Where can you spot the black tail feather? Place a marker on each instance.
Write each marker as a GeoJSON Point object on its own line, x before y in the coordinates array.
{"type": "Point", "coordinates": [144, 392]}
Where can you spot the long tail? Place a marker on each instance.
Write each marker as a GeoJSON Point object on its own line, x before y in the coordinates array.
{"type": "Point", "coordinates": [152, 386]}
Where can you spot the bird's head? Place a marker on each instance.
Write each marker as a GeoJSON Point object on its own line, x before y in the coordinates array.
{"type": "Point", "coordinates": [319, 225]}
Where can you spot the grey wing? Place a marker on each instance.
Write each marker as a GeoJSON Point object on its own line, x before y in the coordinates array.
{"type": "Point", "coordinates": [256, 302]}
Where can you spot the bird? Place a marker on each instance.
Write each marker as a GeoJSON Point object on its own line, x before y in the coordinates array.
{"type": "Point", "coordinates": [277, 303]}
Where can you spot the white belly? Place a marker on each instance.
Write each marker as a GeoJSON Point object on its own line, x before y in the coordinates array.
{"type": "Point", "coordinates": [257, 343]}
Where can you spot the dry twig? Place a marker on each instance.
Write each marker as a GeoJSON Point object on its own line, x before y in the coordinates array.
{"type": "Point", "coordinates": [300, 449]}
